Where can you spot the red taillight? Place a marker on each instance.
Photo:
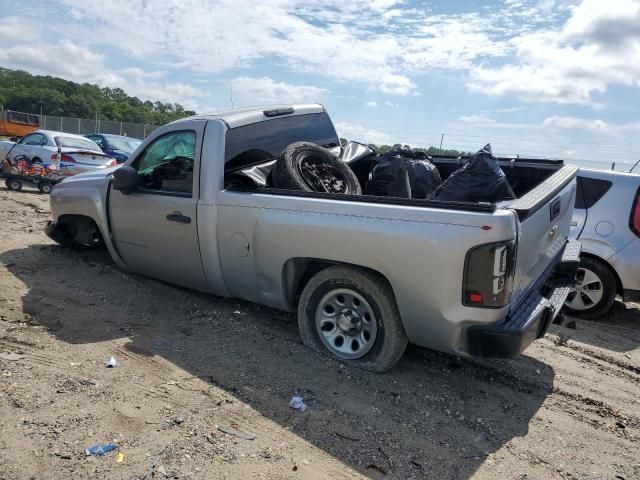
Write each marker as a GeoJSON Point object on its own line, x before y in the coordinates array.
{"type": "Point", "coordinates": [634, 219]}
{"type": "Point", "coordinates": [475, 298]}
{"type": "Point", "coordinates": [112, 163]}
{"type": "Point", "coordinates": [63, 158]}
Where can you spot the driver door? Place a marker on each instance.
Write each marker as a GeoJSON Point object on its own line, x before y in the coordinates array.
{"type": "Point", "coordinates": [154, 227]}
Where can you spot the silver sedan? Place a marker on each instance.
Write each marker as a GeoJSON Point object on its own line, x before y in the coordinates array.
{"type": "Point", "coordinates": [78, 154]}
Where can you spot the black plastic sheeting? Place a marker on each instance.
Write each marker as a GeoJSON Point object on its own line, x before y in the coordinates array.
{"type": "Point", "coordinates": [405, 174]}
{"type": "Point", "coordinates": [481, 180]}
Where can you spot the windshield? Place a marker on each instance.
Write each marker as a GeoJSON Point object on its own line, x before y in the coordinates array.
{"type": "Point", "coordinates": [127, 145]}
{"type": "Point", "coordinates": [273, 136]}
{"type": "Point", "coordinates": [83, 143]}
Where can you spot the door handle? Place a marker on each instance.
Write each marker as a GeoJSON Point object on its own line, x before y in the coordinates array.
{"type": "Point", "coordinates": [178, 217]}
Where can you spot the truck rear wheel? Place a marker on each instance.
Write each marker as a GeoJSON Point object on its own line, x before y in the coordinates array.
{"type": "Point", "coordinates": [351, 313]}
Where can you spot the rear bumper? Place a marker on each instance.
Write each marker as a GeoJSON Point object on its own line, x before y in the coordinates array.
{"type": "Point", "coordinates": [533, 316]}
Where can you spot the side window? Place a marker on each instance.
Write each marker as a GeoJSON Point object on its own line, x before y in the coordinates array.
{"type": "Point", "coordinates": [34, 139]}
{"type": "Point", "coordinates": [166, 165]}
{"type": "Point", "coordinates": [590, 190]}
{"type": "Point", "coordinates": [98, 140]}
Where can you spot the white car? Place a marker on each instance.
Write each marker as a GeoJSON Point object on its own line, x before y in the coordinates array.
{"type": "Point", "coordinates": [79, 154]}
{"type": "Point", "coordinates": [606, 220]}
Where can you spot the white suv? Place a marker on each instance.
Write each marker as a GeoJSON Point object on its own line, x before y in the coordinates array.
{"type": "Point", "coordinates": [606, 219]}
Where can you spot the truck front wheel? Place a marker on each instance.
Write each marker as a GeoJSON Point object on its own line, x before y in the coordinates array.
{"type": "Point", "coordinates": [352, 314]}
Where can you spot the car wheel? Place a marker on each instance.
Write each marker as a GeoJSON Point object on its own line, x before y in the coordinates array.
{"type": "Point", "coordinates": [595, 290]}
{"type": "Point", "coordinates": [45, 187]}
{"type": "Point", "coordinates": [351, 313]}
{"type": "Point", "coordinates": [312, 168]}
{"type": "Point", "coordinates": [14, 184]}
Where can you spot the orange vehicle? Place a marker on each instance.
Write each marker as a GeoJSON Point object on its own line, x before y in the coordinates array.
{"type": "Point", "coordinates": [18, 124]}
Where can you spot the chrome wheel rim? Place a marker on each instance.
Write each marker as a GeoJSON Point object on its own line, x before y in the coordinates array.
{"type": "Point", "coordinates": [588, 291]}
{"type": "Point", "coordinates": [321, 176]}
{"type": "Point", "coordinates": [346, 324]}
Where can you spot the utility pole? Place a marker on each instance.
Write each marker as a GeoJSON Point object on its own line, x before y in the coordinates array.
{"type": "Point", "coordinates": [441, 139]}
{"type": "Point", "coordinates": [41, 124]}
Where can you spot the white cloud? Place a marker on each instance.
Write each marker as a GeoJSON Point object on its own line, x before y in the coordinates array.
{"type": "Point", "coordinates": [396, 84]}
{"type": "Point", "coordinates": [599, 46]}
{"type": "Point", "coordinates": [557, 50]}
{"type": "Point", "coordinates": [359, 133]}
{"type": "Point", "coordinates": [371, 103]}
{"type": "Point", "coordinates": [79, 63]}
{"type": "Point", "coordinates": [248, 91]}
{"type": "Point", "coordinates": [391, 104]}
{"type": "Point", "coordinates": [477, 119]}
{"type": "Point", "coordinates": [381, 43]}
{"type": "Point", "coordinates": [590, 125]}
{"type": "Point", "coordinates": [576, 124]}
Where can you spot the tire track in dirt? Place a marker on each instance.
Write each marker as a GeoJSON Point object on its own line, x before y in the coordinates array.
{"type": "Point", "coordinates": [603, 362]}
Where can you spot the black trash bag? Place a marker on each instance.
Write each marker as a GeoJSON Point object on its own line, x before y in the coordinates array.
{"type": "Point", "coordinates": [405, 174]}
{"type": "Point", "coordinates": [481, 180]}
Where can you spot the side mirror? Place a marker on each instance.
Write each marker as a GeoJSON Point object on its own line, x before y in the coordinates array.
{"type": "Point", "coordinates": [125, 179]}
{"type": "Point", "coordinates": [14, 139]}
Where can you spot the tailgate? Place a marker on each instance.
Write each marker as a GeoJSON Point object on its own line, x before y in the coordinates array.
{"type": "Point", "coordinates": [544, 216]}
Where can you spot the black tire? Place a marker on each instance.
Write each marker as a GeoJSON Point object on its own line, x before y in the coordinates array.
{"type": "Point", "coordinates": [312, 168]}
{"type": "Point", "coordinates": [390, 341]}
{"type": "Point", "coordinates": [605, 280]}
{"type": "Point", "coordinates": [14, 184]}
{"type": "Point", "coordinates": [45, 187]}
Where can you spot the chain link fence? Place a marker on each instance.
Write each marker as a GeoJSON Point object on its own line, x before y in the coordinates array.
{"type": "Point", "coordinates": [83, 126]}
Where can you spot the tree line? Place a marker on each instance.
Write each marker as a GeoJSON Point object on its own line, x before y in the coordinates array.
{"type": "Point", "coordinates": [431, 151]}
{"type": "Point", "coordinates": [28, 93]}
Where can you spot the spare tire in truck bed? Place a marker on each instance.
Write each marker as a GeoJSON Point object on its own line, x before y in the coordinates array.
{"type": "Point", "coordinates": [312, 168]}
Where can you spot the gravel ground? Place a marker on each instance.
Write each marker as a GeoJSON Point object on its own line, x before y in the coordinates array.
{"type": "Point", "coordinates": [202, 386]}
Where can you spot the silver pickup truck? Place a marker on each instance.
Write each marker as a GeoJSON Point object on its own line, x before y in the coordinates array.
{"type": "Point", "coordinates": [366, 274]}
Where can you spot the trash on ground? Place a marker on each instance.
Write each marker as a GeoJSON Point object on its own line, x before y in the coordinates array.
{"type": "Point", "coordinates": [98, 450]}
{"type": "Point", "coordinates": [120, 457]}
{"type": "Point", "coordinates": [237, 433]}
{"type": "Point", "coordinates": [112, 363]}
{"type": "Point", "coordinates": [481, 180]}
{"type": "Point", "coordinates": [11, 357]}
{"type": "Point", "coordinates": [298, 404]}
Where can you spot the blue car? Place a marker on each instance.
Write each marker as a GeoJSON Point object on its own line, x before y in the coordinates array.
{"type": "Point", "coordinates": [116, 146]}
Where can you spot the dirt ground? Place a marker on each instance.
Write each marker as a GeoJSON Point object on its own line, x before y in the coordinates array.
{"type": "Point", "coordinates": [202, 386]}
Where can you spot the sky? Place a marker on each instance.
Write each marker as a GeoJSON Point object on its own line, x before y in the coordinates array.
{"type": "Point", "coordinates": [542, 78]}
